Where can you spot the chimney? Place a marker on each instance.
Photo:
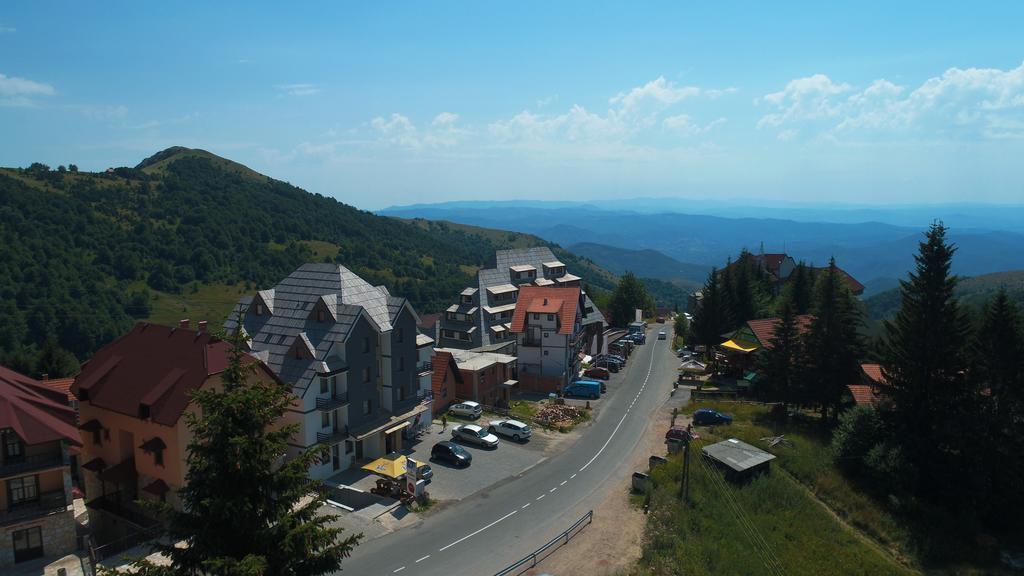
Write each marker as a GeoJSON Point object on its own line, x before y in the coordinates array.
{"type": "Point", "coordinates": [183, 323]}
{"type": "Point", "coordinates": [46, 377]}
{"type": "Point", "coordinates": [202, 325]}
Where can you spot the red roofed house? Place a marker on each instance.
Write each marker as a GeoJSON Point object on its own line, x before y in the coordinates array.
{"type": "Point", "coordinates": [132, 397]}
{"type": "Point", "coordinates": [548, 325]}
{"type": "Point", "coordinates": [758, 334]}
{"type": "Point", "coordinates": [445, 379]}
{"type": "Point", "coordinates": [868, 392]}
{"type": "Point", "coordinates": [38, 429]}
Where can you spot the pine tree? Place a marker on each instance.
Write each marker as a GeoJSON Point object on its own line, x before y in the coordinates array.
{"type": "Point", "coordinates": [628, 296]}
{"type": "Point", "coordinates": [247, 512]}
{"type": "Point", "coordinates": [998, 369]}
{"type": "Point", "coordinates": [781, 363]}
{"type": "Point", "coordinates": [800, 289]}
{"type": "Point", "coordinates": [711, 318]}
{"type": "Point", "coordinates": [833, 341]}
{"type": "Point", "coordinates": [924, 362]}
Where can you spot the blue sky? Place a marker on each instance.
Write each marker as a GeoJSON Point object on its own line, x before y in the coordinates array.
{"type": "Point", "coordinates": [873, 103]}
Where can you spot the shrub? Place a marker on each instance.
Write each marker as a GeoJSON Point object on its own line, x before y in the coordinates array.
{"type": "Point", "coordinates": [858, 433]}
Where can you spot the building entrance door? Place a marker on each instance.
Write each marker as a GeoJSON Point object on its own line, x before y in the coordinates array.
{"type": "Point", "coordinates": [335, 457]}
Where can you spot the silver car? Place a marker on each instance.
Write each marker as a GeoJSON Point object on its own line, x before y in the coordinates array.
{"type": "Point", "coordinates": [473, 434]}
{"type": "Point", "coordinates": [467, 409]}
{"type": "Point", "coordinates": [513, 429]}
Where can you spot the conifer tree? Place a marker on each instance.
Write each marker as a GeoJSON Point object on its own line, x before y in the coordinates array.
{"type": "Point", "coordinates": [629, 295]}
{"type": "Point", "coordinates": [833, 341]}
{"type": "Point", "coordinates": [924, 363]}
{"type": "Point", "coordinates": [711, 318]}
{"type": "Point", "coordinates": [781, 364]}
{"type": "Point", "coordinates": [246, 510]}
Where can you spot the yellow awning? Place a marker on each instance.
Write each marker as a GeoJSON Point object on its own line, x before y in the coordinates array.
{"type": "Point", "coordinates": [390, 466]}
{"type": "Point", "coordinates": [739, 346]}
{"type": "Point", "coordinates": [397, 427]}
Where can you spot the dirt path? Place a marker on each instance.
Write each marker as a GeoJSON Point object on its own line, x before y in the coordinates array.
{"type": "Point", "coordinates": [612, 543]}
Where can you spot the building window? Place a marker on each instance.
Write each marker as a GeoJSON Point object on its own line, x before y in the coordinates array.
{"type": "Point", "coordinates": [25, 489]}
{"type": "Point", "coordinates": [546, 352]}
{"type": "Point", "coordinates": [28, 543]}
{"type": "Point", "coordinates": [401, 393]}
{"type": "Point", "coordinates": [320, 315]}
{"type": "Point", "coordinates": [158, 458]}
{"type": "Point", "coordinates": [97, 437]}
{"type": "Point", "coordinates": [366, 407]}
{"type": "Point", "coordinates": [366, 374]}
{"type": "Point", "coordinates": [551, 317]}
{"type": "Point", "coordinates": [536, 316]}
{"type": "Point", "coordinates": [259, 309]}
{"type": "Point", "coordinates": [348, 446]}
{"type": "Point", "coordinates": [334, 381]}
{"type": "Point", "coordinates": [14, 449]}
{"type": "Point", "coordinates": [323, 385]}
{"type": "Point", "coordinates": [325, 419]}
{"type": "Point", "coordinates": [546, 334]}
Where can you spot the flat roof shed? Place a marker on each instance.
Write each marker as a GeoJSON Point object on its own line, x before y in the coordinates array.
{"type": "Point", "coordinates": [740, 460]}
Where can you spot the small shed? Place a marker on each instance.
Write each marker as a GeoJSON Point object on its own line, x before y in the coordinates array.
{"type": "Point", "coordinates": [739, 459]}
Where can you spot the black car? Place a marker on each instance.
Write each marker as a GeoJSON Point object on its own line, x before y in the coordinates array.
{"type": "Point", "coordinates": [611, 365]}
{"type": "Point", "coordinates": [451, 453]}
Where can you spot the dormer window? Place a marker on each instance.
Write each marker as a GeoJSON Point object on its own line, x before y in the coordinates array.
{"type": "Point", "coordinates": [259, 309]}
{"type": "Point", "coordinates": [320, 315]}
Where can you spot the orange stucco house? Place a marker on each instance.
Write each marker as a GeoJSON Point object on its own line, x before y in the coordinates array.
{"type": "Point", "coordinates": [133, 396]}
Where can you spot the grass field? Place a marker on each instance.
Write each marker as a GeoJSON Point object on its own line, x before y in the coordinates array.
{"type": "Point", "coordinates": [211, 302]}
{"type": "Point", "coordinates": [771, 522]}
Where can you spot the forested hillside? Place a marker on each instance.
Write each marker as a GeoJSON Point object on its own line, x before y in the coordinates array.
{"type": "Point", "coordinates": [84, 254]}
{"type": "Point", "coordinates": [974, 292]}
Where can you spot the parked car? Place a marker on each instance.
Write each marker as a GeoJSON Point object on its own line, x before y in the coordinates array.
{"type": "Point", "coordinates": [467, 409]}
{"type": "Point", "coordinates": [681, 434]}
{"type": "Point", "coordinates": [708, 416]}
{"type": "Point", "coordinates": [474, 434]}
{"type": "Point", "coordinates": [600, 383]}
{"type": "Point", "coordinates": [452, 453]}
{"type": "Point", "coordinates": [513, 429]}
{"type": "Point", "coordinates": [617, 357]}
{"type": "Point", "coordinates": [610, 365]}
{"type": "Point", "coordinates": [583, 388]}
{"type": "Point", "coordinates": [662, 335]}
{"type": "Point", "coordinates": [661, 319]}
{"type": "Point", "coordinates": [598, 372]}
{"type": "Point", "coordinates": [423, 471]}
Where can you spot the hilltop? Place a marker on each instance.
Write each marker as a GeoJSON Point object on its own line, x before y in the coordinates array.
{"type": "Point", "coordinates": [183, 233]}
{"type": "Point", "coordinates": [973, 292]}
{"type": "Point", "coordinates": [647, 262]}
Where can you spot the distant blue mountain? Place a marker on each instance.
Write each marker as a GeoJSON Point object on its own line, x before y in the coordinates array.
{"type": "Point", "coordinates": [868, 250]}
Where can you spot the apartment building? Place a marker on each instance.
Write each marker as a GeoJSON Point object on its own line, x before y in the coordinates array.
{"type": "Point", "coordinates": [548, 325]}
{"type": "Point", "coordinates": [482, 317]}
{"type": "Point", "coordinates": [37, 431]}
{"type": "Point", "coordinates": [349, 351]}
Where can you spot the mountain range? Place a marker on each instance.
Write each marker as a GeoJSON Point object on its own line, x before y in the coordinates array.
{"type": "Point", "coordinates": [875, 253]}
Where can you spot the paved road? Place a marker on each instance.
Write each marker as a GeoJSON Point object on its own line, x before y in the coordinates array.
{"type": "Point", "coordinates": [498, 526]}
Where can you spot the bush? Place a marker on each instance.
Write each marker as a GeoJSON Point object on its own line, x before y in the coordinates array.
{"type": "Point", "coordinates": [857, 434]}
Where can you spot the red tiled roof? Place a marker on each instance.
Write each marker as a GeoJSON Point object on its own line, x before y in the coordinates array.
{"type": "Point", "coordinates": [152, 365]}
{"type": "Point", "coordinates": [772, 262]}
{"type": "Point", "coordinates": [764, 328]}
{"type": "Point", "coordinates": [874, 371]}
{"type": "Point", "coordinates": [864, 394]}
{"type": "Point", "coordinates": [63, 385]}
{"type": "Point", "coordinates": [443, 364]}
{"type": "Point", "coordinates": [427, 322]}
{"type": "Point", "coordinates": [855, 287]}
{"type": "Point", "coordinates": [547, 300]}
{"type": "Point", "coordinates": [36, 412]}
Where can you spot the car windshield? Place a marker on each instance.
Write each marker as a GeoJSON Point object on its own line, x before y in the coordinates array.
{"type": "Point", "coordinates": [456, 449]}
{"type": "Point", "coordinates": [482, 433]}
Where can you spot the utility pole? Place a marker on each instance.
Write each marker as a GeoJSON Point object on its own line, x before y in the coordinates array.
{"type": "Point", "coordinates": [684, 481]}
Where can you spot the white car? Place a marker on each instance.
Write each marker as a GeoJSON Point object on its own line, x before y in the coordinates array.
{"type": "Point", "coordinates": [474, 434]}
{"type": "Point", "coordinates": [513, 429]}
{"type": "Point", "coordinates": [467, 409]}
{"type": "Point", "coordinates": [662, 335]}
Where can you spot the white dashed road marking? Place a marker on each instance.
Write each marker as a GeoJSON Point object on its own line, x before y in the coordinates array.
{"type": "Point", "coordinates": [397, 570]}
{"type": "Point", "coordinates": [467, 536]}
{"type": "Point", "coordinates": [422, 559]}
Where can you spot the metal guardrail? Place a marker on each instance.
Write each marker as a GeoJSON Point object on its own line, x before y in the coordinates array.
{"type": "Point", "coordinates": [531, 560]}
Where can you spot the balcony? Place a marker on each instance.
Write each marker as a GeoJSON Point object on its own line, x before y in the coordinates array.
{"type": "Point", "coordinates": [46, 503]}
{"type": "Point", "coordinates": [35, 462]}
{"type": "Point", "coordinates": [332, 436]}
{"type": "Point", "coordinates": [424, 367]}
{"type": "Point", "coordinates": [333, 401]}
{"type": "Point", "coordinates": [425, 396]}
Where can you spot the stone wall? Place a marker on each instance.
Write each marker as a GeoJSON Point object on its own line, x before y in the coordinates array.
{"type": "Point", "coordinates": [58, 532]}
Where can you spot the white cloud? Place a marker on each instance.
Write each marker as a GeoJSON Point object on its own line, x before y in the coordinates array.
{"type": "Point", "coordinates": [445, 118]}
{"type": "Point", "coordinates": [298, 89]}
{"type": "Point", "coordinates": [16, 91]}
{"type": "Point", "coordinates": [961, 103]}
{"type": "Point", "coordinates": [686, 125]}
{"type": "Point", "coordinates": [718, 92]}
{"type": "Point", "coordinates": [659, 91]}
